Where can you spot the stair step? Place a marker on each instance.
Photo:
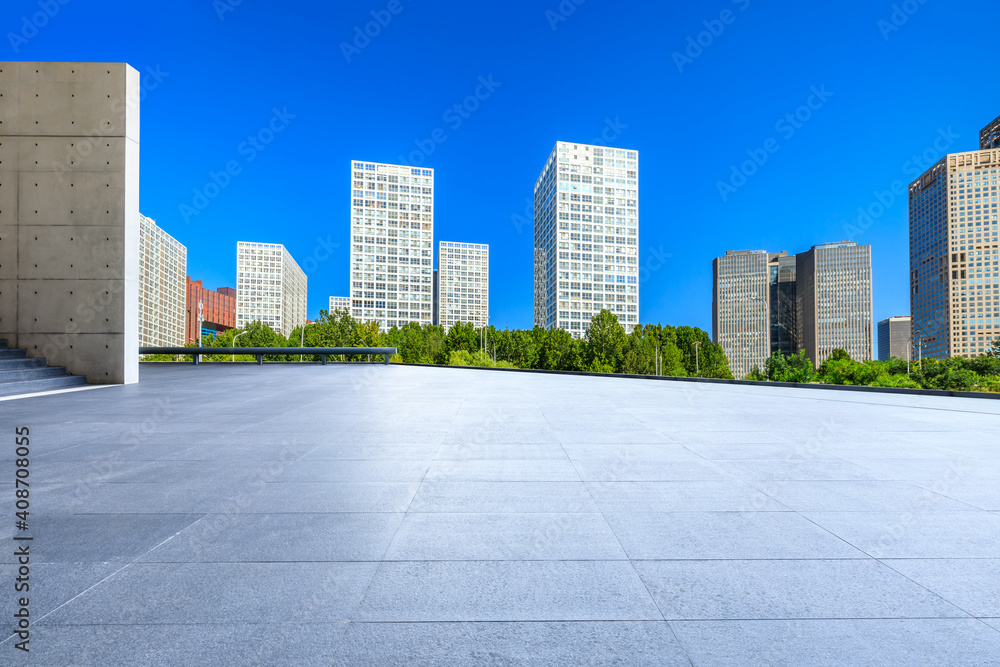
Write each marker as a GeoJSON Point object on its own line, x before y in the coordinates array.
{"type": "Point", "coordinates": [13, 354]}
{"type": "Point", "coordinates": [31, 373]}
{"type": "Point", "coordinates": [18, 364]}
{"type": "Point", "coordinates": [45, 384]}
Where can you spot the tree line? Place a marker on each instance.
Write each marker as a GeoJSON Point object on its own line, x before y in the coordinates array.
{"type": "Point", "coordinates": [604, 348]}
{"type": "Point", "coordinates": [981, 373]}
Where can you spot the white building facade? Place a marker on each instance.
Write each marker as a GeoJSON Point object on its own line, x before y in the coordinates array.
{"type": "Point", "coordinates": [162, 283]}
{"type": "Point", "coordinates": [463, 283]}
{"type": "Point", "coordinates": [340, 303]}
{"type": "Point", "coordinates": [270, 287]}
{"type": "Point", "coordinates": [587, 237]}
{"type": "Point", "coordinates": [392, 231]}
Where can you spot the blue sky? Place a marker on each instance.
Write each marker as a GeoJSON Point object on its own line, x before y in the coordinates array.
{"type": "Point", "coordinates": [887, 81]}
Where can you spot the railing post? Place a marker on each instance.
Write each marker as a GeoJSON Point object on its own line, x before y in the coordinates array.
{"type": "Point", "coordinates": [386, 356]}
{"type": "Point", "coordinates": [260, 359]}
{"type": "Point", "coordinates": [324, 359]}
{"type": "Point", "coordinates": [197, 358]}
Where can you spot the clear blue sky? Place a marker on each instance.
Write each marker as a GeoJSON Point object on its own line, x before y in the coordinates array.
{"type": "Point", "coordinates": [895, 85]}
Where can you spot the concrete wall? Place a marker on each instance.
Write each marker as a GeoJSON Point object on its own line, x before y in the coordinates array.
{"type": "Point", "coordinates": [69, 215]}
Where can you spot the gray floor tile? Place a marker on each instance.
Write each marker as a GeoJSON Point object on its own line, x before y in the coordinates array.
{"type": "Point", "coordinates": [622, 469]}
{"type": "Point", "coordinates": [725, 535]}
{"type": "Point", "coordinates": [970, 584]}
{"type": "Point", "coordinates": [732, 496]}
{"type": "Point", "coordinates": [507, 591]}
{"type": "Point", "coordinates": [447, 496]}
{"type": "Point", "coordinates": [319, 497]}
{"type": "Point", "coordinates": [778, 589]}
{"type": "Point", "coordinates": [95, 538]}
{"type": "Point", "coordinates": [154, 593]}
{"type": "Point", "coordinates": [856, 496]}
{"type": "Point", "coordinates": [503, 470]}
{"type": "Point", "coordinates": [353, 471]}
{"type": "Point", "coordinates": [372, 452]}
{"type": "Point", "coordinates": [916, 534]}
{"type": "Point", "coordinates": [51, 585]}
{"type": "Point", "coordinates": [532, 536]}
{"type": "Point", "coordinates": [280, 538]}
{"type": "Point", "coordinates": [557, 644]}
{"type": "Point", "coordinates": [497, 451]}
{"type": "Point", "coordinates": [172, 645]}
{"type": "Point", "coordinates": [834, 643]}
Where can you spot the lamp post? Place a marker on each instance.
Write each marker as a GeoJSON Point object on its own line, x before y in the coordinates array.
{"type": "Point", "coordinates": [909, 346]}
{"type": "Point", "coordinates": [234, 342]}
{"type": "Point", "coordinates": [302, 337]}
{"type": "Point", "coordinates": [697, 365]}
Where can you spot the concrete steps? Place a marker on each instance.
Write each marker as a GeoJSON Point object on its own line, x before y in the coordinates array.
{"type": "Point", "coordinates": [21, 375]}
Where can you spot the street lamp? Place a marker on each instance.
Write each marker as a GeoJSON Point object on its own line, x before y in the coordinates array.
{"type": "Point", "coordinates": [302, 337]}
{"type": "Point", "coordinates": [234, 342]}
{"type": "Point", "coordinates": [697, 365]}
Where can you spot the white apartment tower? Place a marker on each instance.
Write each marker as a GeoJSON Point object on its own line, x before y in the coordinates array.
{"type": "Point", "coordinates": [587, 237]}
{"type": "Point", "coordinates": [392, 230]}
{"type": "Point", "coordinates": [463, 284]}
{"type": "Point", "coordinates": [340, 303]}
{"type": "Point", "coordinates": [162, 280]}
{"type": "Point", "coordinates": [270, 287]}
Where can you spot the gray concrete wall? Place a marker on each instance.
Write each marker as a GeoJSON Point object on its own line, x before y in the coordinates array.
{"type": "Point", "coordinates": [69, 215]}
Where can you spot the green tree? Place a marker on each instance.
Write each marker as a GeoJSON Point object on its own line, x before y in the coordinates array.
{"type": "Point", "coordinates": [462, 336]}
{"type": "Point", "coordinates": [604, 348]}
{"type": "Point", "coordinates": [559, 351]}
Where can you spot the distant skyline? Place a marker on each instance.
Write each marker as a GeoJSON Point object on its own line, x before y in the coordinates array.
{"type": "Point", "coordinates": [776, 126]}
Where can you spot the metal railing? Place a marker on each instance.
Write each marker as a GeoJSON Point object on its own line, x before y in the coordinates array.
{"type": "Point", "coordinates": [261, 352]}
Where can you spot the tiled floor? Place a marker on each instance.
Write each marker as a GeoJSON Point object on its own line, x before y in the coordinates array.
{"type": "Point", "coordinates": [235, 515]}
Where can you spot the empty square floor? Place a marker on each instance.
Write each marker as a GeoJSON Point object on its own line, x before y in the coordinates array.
{"type": "Point", "coordinates": [395, 515]}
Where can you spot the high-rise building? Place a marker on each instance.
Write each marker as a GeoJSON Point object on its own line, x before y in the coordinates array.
{"type": "Point", "coordinates": [208, 311]}
{"type": "Point", "coordinates": [740, 308]}
{"type": "Point", "coordinates": [833, 284]}
{"type": "Point", "coordinates": [162, 270]}
{"type": "Point", "coordinates": [893, 338]}
{"type": "Point", "coordinates": [783, 304]}
{"type": "Point", "coordinates": [954, 272]}
{"type": "Point", "coordinates": [989, 136]}
{"type": "Point", "coordinates": [392, 230]}
{"type": "Point", "coordinates": [587, 237]}
{"type": "Point", "coordinates": [340, 303]}
{"type": "Point", "coordinates": [753, 307]}
{"type": "Point", "coordinates": [270, 287]}
{"type": "Point", "coordinates": [463, 284]}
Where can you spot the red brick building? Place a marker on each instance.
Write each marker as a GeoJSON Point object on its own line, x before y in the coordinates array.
{"type": "Point", "coordinates": [218, 310]}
